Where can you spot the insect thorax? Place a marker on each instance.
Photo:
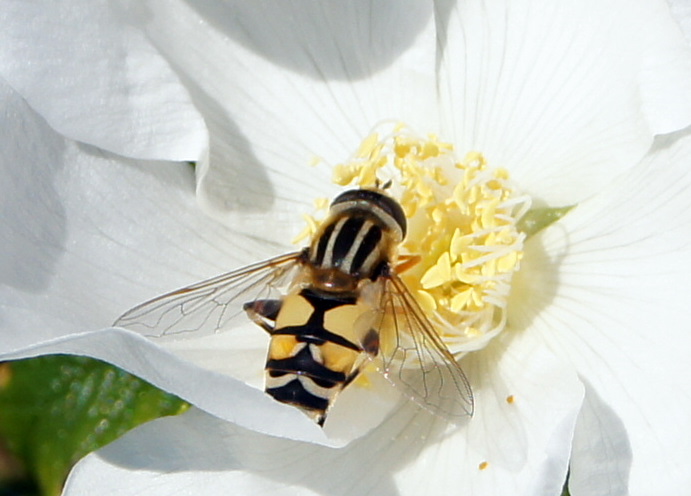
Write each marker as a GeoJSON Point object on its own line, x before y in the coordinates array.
{"type": "Point", "coordinates": [349, 247]}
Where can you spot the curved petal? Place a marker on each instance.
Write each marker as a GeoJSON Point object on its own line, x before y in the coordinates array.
{"type": "Point", "coordinates": [86, 235]}
{"type": "Point", "coordinates": [409, 454]}
{"type": "Point", "coordinates": [601, 453]}
{"type": "Point", "coordinates": [565, 95]}
{"type": "Point", "coordinates": [681, 11]}
{"type": "Point", "coordinates": [283, 83]}
{"type": "Point", "coordinates": [97, 80]}
{"type": "Point", "coordinates": [220, 395]}
{"type": "Point", "coordinates": [607, 288]}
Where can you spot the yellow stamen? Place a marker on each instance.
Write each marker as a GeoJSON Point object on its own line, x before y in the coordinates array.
{"type": "Point", "coordinates": [462, 218]}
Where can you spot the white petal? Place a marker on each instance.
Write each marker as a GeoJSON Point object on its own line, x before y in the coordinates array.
{"type": "Point", "coordinates": [192, 451]}
{"type": "Point", "coordinates": [281, 84]}
{"type": "Point", "coordinates": [526, 442]}
{"type": "Point", "coordinates": [409, 454]}
{"type": "Point", "coordinates": [608, 289]}
{"type": "Point", "coordinates": [601, 457]}
{"type": "Point", "coordinates": [681, 10]}
{"type": "Point", "coordinates": [86, 235]}
{"type": "Point", "coordinates": [564, 96]}
{"type": "Point", "coordinates": [97, 80]}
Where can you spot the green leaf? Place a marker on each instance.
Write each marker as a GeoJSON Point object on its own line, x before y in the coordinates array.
{"type": "Point", "coordinates": [56, 409]}
{"type": "Point", "coordinates": [536, 219]}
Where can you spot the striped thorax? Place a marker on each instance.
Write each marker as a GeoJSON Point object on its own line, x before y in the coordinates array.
{"type": "Point", "coordinates": [357, 241]}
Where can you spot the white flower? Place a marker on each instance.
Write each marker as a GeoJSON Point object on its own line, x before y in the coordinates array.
{"type": "Point", "coordinates": [568, 98]}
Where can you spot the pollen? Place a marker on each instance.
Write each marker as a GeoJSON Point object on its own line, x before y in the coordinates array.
{"type": "Point", "coordinates": [483, 465]}
{"type": "Point", "coordinates": [462, 223]}
{"type": "Point", "coordinates": [309, 229]}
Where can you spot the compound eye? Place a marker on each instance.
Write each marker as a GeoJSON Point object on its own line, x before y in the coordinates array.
{"type": "Point", "coordinates": [360, 198]}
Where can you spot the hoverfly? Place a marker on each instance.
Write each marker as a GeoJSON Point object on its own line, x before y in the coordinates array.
{"type": "Point", "coordinates": [330, 309]}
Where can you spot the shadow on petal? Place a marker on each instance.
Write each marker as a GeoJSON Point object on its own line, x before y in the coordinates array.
{"type": "Point", "coordinates": [338, 41]}
{"type": "Point", "coordinates": [601, 455]}
{"type": "Point", "coordinates": [34, 223]}
{"type": "Point", "coordinates": [198, 444]}
{"type": "Point", "coordinates": [241, 182]}
{"type": "Point", "coordinates": [536, 284]}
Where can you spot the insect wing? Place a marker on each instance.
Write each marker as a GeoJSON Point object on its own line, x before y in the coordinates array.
{"type": "Point", "coordinates": [415, 359]}
{"type": "Point", "coordinates": [212, 305]}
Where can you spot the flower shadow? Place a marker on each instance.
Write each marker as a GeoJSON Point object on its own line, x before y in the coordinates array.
{"type": "Point", "coordinates": [242, 183]}
{"type": "Point", "coordinates": [536, 284]}
{"type": "Point", "coordinates": [197, 441]}
{"type": "Point", "coordinates": [34, 221]}
{"type": "Point", "coordinates": [336, 46]}
{"type": "Point", "coordinates": [611, 450]}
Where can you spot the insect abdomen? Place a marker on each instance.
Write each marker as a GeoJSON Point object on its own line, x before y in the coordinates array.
{"type": "Point", "coordinates": [301, 379]}
{"type": "Point", "coordinates": [310, 359]}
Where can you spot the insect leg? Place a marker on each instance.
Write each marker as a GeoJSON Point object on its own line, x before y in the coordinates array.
{"type": "Point", "coordinates": [263, 313]}
{"type": "Point", "coordinates": [406, 262]}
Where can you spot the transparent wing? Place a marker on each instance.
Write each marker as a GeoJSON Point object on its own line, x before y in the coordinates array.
{"type": "Point", "coordinates": [211, 306]}
{"type": "Point", "coordinates": [415, 359]}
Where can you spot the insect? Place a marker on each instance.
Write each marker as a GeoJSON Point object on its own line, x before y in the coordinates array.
{"type": "Point", "coordinates": [330, 309]}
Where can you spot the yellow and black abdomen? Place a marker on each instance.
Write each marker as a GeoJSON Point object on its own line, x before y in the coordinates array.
{"type": "Point", "coordinates": [323, 330]}
{"type": "Point", "coordinates": [318, 346]}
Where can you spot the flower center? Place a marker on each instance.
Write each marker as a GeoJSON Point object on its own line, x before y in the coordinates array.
{"type": "Point", "coordinates": [462, 218]}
